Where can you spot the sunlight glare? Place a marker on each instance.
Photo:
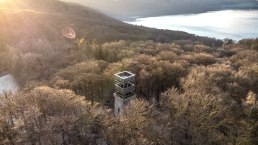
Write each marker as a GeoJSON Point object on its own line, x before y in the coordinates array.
{"type": "Point", "coordinates": [3, 1]}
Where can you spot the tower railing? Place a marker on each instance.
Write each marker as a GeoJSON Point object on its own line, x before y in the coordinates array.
{"type": "Point", "coordinates": [124, 76]}
{"type": "Point", "coordinates": [125, 90]}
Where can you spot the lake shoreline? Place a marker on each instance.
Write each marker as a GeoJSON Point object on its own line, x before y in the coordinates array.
{"type": "Point", "coordinates": [3, 74]}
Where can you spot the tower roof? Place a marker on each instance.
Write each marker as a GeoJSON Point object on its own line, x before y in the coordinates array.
{"type": "Point", "coordinates": [125, 76]}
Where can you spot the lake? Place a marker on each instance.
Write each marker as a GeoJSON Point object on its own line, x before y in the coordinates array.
{"type": "Point", "coordinates": [233, 24]}
{"type": "Point", "coordinates": [8, 83]}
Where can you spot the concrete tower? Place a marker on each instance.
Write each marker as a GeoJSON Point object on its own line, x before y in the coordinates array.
{"type": "Point", "coordinates": [124, 91]}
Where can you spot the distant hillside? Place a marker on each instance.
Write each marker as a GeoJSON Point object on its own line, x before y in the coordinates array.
{"type": "Point", "coordinates": [31, 30]}
{"type": "Point", "coordinates": [40, 19]}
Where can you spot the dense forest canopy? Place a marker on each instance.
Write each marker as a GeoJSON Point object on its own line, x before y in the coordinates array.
{"type": "Point", "coordinates": [190, 90]}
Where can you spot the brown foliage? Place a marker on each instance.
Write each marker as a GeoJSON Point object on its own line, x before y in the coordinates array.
{"type": "Point", "coordinates": [197, 117]}
{"type": "Point", "coordinates": [47, 116]}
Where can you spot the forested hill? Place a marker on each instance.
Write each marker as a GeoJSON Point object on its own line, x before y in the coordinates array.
{"type": "Point", "coordinates": [33, 28]}
{"type": "Point", "coordinates": [26, 19]}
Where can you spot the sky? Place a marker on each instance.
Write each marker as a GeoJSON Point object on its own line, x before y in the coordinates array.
{"type": "Point", "coordinates": [143, 8]}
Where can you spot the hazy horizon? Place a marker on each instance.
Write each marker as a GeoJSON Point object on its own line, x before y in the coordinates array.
{"type": "Point", "coordinates": [145, 8]}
